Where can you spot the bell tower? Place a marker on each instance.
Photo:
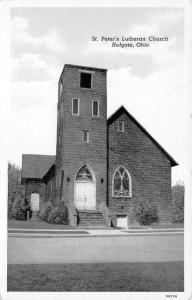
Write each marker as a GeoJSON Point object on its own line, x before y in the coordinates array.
{"type": "Point", "coordinates": [82, 136]}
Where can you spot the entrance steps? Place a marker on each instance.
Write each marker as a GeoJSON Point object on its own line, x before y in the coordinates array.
{"type": "Point", "coordinates": [91, 218]}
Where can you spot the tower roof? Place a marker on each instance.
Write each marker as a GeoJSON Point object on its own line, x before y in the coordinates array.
{"type": "Point", "coordinates": [82, 68]}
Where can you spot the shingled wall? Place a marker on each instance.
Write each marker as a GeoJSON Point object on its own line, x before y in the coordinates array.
{"type": "Point", "coordinates": [149, 168]}
{"type": "Point", "coordinates": [34, 186]}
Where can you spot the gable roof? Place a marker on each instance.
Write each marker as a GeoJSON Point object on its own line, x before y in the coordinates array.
{"type": "Point", "coordinates": [36, 166]}
{"type": "Point", "coordinates": [122, 110]}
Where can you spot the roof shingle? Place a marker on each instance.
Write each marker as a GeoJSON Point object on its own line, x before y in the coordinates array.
{"type": "Point", "coordinates": [35, 165]}
{"type": "Point", "coordinates": [122, 110]}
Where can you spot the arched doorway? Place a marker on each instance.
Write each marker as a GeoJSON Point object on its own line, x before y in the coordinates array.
{"type": "Point", "coordinates": [85, 189]}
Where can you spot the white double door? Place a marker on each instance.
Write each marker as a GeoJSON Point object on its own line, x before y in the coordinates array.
{"type": "Point", "coordinates": [85, 195]}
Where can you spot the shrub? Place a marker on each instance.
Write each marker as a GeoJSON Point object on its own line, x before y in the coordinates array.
{"type": "Point", "coordinates": [46, 209]}
{"type": "Point", "coordinates": [58, 215]}
{"type": "Point", "coordinates": [146, 213]}
{"type": "Point", "coordinates": [54, 215]}
{"type": "Point", "coordinates": [19, 206]}
{"type": "Point", "coordinates": [17, 203]}
{"type": "Point", "coordinates": [178, 191]}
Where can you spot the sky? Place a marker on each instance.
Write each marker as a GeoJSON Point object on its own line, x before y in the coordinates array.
{"type": "Point", "coordinates": [148, 81]}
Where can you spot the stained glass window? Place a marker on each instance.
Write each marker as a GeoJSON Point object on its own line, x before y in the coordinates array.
{"type": "Point", "coordinates": [121, 183]}
{"type": "Point", "coordinates": [84, 174]}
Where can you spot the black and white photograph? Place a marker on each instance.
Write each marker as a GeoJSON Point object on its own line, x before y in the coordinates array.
{"type": "Point", "coordinates": [97, 158]}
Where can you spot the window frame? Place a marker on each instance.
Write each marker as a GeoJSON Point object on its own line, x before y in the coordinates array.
{"type": "Point", "coordinates": [94, 116]}
{"type": "Point", "coordinates": [85, 72]}
{"type": "Point", "coordinates": [84, 179]}
{"type": "Point", "coordinates": [78, 106]}
{"type": "Point", "coordinates": [51, 187]}
{"type": "Point", "coordinates": [61, 110]}
{"type": "Point", "coordinates": [60, 88]}
{"type": "Point", "coordinates": [58, 114]}
{"type": "Point", "coordinates": [85, 142]}
{"type": "Point", "coordinates": [123, 126]}
{"type": "Point", "coordinates": [59, 139]}
{"type": "Point", "coordinates": [130, 184]}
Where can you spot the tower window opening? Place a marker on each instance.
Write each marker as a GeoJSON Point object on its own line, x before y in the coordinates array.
{"type": "Point", "coordinates": [75, 107]}
{"type": "Point", "coordinates": [95, 108]}
{"type": "Point", "coordinates": [60, 88]}
{"type": "Point", "coordinates": [85, 80]}
{"type": "Point", "coordinates": [121, 126]}
{"type": "Point", "coordinates": [85, 136]}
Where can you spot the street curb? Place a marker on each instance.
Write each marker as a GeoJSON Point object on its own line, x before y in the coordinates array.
{"type": "Point", "coordinates": [90, 235]}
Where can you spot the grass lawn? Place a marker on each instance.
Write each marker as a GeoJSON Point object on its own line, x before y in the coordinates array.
{"type": "Point", "coordinates": [35, 225]}
{"type": "Point", "coordinates": [166, 276]}
{"type": "Point", "coordinates": [175, 225]}
{"type": "Point", "coordinates": [16, 224]}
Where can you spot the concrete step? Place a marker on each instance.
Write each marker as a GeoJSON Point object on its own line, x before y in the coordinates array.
{"type": "Point", "coordinates": [90, 218]}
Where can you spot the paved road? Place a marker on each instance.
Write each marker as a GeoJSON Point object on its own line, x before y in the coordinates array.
{"type": "Point", "coordinates": [90, 248]}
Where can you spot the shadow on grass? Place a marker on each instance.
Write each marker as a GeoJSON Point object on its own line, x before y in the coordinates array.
{"type": "Point", "coordinates": [37, 224]}
{"type": "Point", "coordinates": [164, 277]}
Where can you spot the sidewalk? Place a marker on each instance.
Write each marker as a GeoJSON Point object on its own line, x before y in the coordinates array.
{"type": "Point", "coordinates": [12, 232]}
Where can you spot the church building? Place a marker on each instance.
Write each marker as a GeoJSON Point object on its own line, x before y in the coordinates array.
{"type": "Point", "coordinates": [102, 167]}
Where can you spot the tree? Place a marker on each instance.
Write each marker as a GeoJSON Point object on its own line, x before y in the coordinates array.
{"type": "Point", "coordinates": [178, 192]}
{"type": "Point", "coordinates": [14, 174]}
{"type": "Point", "coordinates": [19, 206]}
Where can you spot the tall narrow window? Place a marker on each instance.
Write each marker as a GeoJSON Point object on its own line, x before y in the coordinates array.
{"type": "Point", "coordinates": [85, 136]}
{"type": "Point", "coordinates": [58, 114]}
{"type": "Point", "coordinates": [61, 183]}
{"type": "Point", "coordinates": [122, 186]}
{"type": "Point", "coordinates": [85, 80]}
{"type": "Point", "coordinates": [75, 106]}
{"type": "Point", "coordinates": [121, 126]}
{"type": "Point", "coordinates": [95, 108]}
{"type": "Point", "coordinates": [61, 110]}
{"type": "Point", "coordinates": [51, 187]}
{"type": "Point", "coordinates": [59, 139]}
{"type": "Point", "coordinates": [57, 180]}
{"type": "Point", "coordinates": [60, 88]}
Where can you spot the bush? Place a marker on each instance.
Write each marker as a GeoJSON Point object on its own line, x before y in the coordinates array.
{"type": "Point", "coordinates": [146, 213]}
{"type": "Point", "coordinates": [58, 215]}
{"type": "Point", "coordinates": [54, 215]}
{"type": "Point", "coordinates": [178, 191]}
{"type": "Point", "coordinates": [14, 184]}
{"type": "Point", "coordinates": [19, 206]}
{"type": "Point", "coordinates": [45, 210]}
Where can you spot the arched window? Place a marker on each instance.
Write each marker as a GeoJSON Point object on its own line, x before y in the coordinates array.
{"type": "Point", "coordinates": [84, 174]}
{"type": "Point", "coordinates": [121, 184]}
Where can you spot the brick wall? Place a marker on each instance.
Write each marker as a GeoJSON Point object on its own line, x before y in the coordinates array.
{"type": "Point", "coordinates": [50, 188]}
{"type": "Point", "coordinates": [72, 153]}
{"type": "Point", "coordinates": [149, 168]}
